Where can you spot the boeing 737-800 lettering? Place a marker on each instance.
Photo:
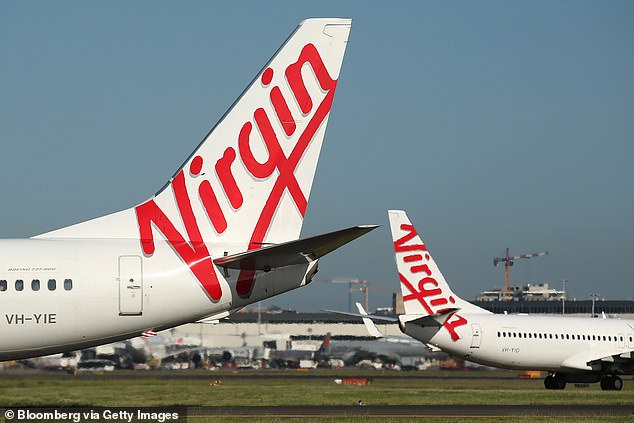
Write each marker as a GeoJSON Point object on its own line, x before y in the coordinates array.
{"type": "Point", "coordinates": [221, 234]}
{"type": "Point", "coordinates": [571, 349]}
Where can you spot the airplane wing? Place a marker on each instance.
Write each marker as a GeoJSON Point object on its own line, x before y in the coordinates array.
{"type": "Point", "coordinates": [596, 360]}
{"type": "Point", "coordinates": [293, 252]}
{"type": "Point", "coordinates": [617, 359]}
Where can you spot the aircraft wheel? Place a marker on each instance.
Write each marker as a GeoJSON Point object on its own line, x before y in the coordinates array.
{"type": "Point", "coordinates": [611, 383]}
{"type": "Point", "coordinates": [617, 383]}
{"type": "Point", "coordinates": [559, 382]}
{"type": "Point", "coordinates": [548, 382]}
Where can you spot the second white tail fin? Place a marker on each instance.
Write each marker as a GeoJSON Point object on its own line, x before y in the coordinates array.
{"type": "Point", "coordinates": [424, 288]}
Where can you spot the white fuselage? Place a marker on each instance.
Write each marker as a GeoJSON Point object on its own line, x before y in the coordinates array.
{"type": "Point", "coordinates": [549, 343]}
{"type": "Point", "coordinates": [106, 290]}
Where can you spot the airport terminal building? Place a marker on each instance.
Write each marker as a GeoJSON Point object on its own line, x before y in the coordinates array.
{"type": "Point", "coordinates": [247, 328]}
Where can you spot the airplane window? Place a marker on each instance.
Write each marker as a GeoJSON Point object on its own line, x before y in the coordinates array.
{"type": "Point", "coordinates": [35, 284]}
{"type": "Point", "coordinates": [604, 337]}
{"type": "Point", "coordinates": [556, 336]}
{"type": "Point", "coordinates": [498, 334]}
{"type": "Point", "coordinates": [504, 334]}
{"type": "Point", "coordinates": [567, 336]}
{"type": "Point", "coordinates": [514, 335]}
{"type": "Point", "coordinates": [540, 336]}
{"type": "Point", "coordinates": [621, 338]}
{"type": "Point", "coordinates": [550, 335]}
{"type": "Point", "coordinates": [3, 285]}
{"type": "Point", "coordinates": [19, 285]}
{"type": "Point", "coordinates": [68, 284]}
{"type": "Point", "coordinates": [609, 338]}
{"type": "Point", "coordinates": [52, 284]}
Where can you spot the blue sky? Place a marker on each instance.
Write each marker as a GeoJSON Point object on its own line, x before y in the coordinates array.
{"type": "Point", "coordinates": [492, 124]}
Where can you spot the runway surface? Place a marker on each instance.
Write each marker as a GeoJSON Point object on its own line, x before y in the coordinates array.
{"type": "Point", "coordinates": [417, 410]}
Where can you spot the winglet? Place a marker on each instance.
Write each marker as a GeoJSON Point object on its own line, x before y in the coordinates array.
{"type": "Point", "coordinates": [369, 324]}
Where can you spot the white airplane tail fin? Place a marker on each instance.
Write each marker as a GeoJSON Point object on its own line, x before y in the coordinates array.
{"type": "Point", "coordinates": [248, 182]}
{"type": "Point", "coordinates": [424, 288]}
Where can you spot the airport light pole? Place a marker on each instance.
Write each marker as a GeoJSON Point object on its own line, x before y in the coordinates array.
{"type": "Point", "coordinates": [594, 297]}
{"type": "Point", "coordinates": [563, 298]}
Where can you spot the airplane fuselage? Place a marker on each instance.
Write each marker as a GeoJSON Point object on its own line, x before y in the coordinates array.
{"type": "Point", "coordinates": [570, 349]}
{"type": "Point", "coordinates": [59, 295]}
{"type": "Point", "coordinates": [548, 343]}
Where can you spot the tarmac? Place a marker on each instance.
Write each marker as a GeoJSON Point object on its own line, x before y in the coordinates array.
{"type": "Point", "coordinates": [416, 410]}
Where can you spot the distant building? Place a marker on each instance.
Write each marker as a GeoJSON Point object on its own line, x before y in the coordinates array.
{"type": "Point", "coordinates": [530, 292]}
{"type": "Point", "coordinates": [625, 308]}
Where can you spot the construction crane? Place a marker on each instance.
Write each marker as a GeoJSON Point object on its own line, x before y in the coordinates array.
{"type": "Point", "coordinates": [355, 285]}
{"type": "Point", "coordinates": [350, 283]}
{"type": "Point", "coordinates": [364, 288]}
{"type": "Point", "coordinates": [508, 262]}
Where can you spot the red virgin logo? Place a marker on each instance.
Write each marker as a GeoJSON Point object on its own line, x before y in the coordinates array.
{"type": "Point", "coordinates": [428, 292]}
{"type": "Point", "coordinates": [191, 247]}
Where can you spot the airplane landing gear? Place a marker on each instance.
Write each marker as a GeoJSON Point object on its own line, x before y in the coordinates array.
{"type": "Point", "coordinates": [555, 381]}
{"type": "Point", "coordinates": [611, 383]}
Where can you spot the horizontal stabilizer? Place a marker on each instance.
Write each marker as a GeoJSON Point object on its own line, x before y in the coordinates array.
{"type": "Point", "coordinates": [214, 318]}
{"type": "Point", "coordinates": [301, 251]}
{"type": "Point", "coordinates": [436, 319]}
